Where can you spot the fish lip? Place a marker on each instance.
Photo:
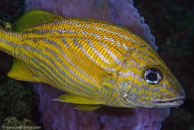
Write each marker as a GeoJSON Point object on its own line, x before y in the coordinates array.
{"type": "Point", "coordinates": [169, 100]}
{"type": "Point", "coordinates": [173, 102]}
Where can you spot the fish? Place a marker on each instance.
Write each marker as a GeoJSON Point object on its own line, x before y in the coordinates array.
{"type": "Point", "coordinates": [96, 63]}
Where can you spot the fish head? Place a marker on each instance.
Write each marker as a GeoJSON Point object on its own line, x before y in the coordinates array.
{"type": "Point", "coordinates": [150, 85]}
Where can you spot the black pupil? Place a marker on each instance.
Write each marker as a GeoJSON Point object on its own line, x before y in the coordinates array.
{"type": "Point", "coordinates": [152, 76]}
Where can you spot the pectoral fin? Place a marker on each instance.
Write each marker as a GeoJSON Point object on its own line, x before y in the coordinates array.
{"type": "Point", "coordinates": [88, 107]}
{"type": "Point", "coordinates": [70, 98]}
{"type": "Point", "coordinates": [20, 71]}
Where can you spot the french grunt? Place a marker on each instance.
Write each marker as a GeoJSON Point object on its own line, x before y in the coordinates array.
{"type": "Point", "coordinates": [97, 63]}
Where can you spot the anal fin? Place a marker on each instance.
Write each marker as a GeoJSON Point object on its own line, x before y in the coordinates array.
{"type": "Point", "coordinates": [20, 71]}
{"type": "Point", "coordinates": [88, 107]}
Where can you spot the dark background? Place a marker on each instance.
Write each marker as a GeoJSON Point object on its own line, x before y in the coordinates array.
{"type": "Point", "coordinates": [171, 22]}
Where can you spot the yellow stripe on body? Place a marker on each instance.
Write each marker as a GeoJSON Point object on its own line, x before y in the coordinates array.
{"type": "Point", "coordinates": [44, 44]}
{"type": "Point", "coordinates": [27, 53]}
{"type": "Point", "coordinates": [100, 55]}
{"type": "Point", "coordinates": [64, 51]}
{"type": "Point", "coordinates": [36, 65]}
{"type": "Point", "coordinates": [107, 42]}
{"type": "Point", "coordinates": [122, 36]}
{"type": "Point", "coordinates": [92, 72]}
{"type": "Point", "coordinates": [79, 35]}
{"type": "Point", "coordinates": [29, 35]}
{"type": "Point", "coordinates": [73, 35]}
{"type": "Point", "coordinates": [6, 47]}
{"type": "Point", "coordinates": [111, 32]}
{"type": "Point", "coordinates": [115, 38]}
{"type": "Point", "coordinates": [9, 37]}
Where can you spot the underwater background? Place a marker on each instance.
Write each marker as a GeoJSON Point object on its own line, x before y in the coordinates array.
{"type": "Point", "coordinates": [172, 24]}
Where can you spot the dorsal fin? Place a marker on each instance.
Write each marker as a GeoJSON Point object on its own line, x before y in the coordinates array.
{"type": "Point", "coordinates": [32, 18]}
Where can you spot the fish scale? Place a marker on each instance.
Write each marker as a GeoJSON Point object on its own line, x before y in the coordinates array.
{"type": "Point", "coordinates": [93, 59]}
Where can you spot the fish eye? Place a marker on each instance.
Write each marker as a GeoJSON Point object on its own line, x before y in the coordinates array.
{"type": "Point", "coordinates": [153, 76]}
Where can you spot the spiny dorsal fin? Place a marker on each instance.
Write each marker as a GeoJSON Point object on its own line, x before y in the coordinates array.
{"type": "Point", "coordinates": [32, 18]}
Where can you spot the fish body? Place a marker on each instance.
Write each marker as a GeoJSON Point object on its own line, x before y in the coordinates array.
{"type": "Point", "coordinates": [96, 62]}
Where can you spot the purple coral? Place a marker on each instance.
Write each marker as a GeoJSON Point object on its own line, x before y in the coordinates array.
{"type": "Point", "coordinates": [63, 116]}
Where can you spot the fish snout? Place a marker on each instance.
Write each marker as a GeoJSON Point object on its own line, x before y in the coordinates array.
{"type": "Point", "coordinates": [174, 97]}
{"type": "Point", "coordinates": [167, 103]}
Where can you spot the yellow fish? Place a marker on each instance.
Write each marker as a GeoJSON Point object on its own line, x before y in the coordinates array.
{"type": "Point", "coordinates": [96, 62]}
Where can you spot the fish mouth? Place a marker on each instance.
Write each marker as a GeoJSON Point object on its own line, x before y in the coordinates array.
{"type": "Point", "coordinates": [173, 102]}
